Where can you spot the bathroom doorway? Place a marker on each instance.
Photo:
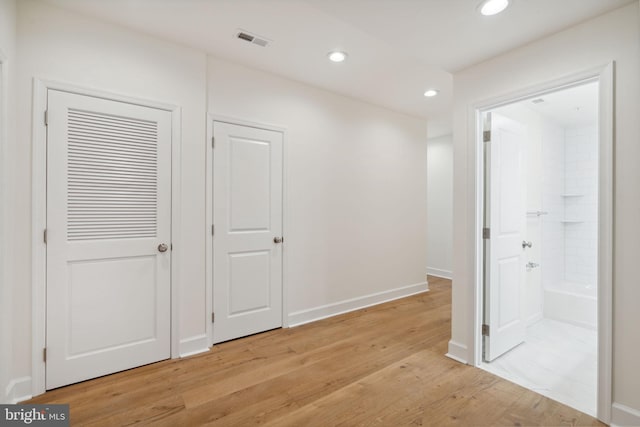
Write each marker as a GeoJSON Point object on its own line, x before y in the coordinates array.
{"type": "Point", "coordinates": [540, 235]}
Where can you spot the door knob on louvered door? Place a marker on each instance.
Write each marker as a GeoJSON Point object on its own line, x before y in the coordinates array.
{"type": "Point", "coordinates": [277, 240]}
{"type": "Point", "coordinates": [162, 247]}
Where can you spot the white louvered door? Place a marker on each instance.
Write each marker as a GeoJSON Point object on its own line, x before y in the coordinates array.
{"type": "Point", "coordinates": [108, 213]}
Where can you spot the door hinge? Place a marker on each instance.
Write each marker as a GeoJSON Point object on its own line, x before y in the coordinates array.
{"type": "Point", "coordinates": [485, 330]}
{"type": "Point", "coordinates": [44, 354]}
{"type": "Point", "coordinates": [486, 233]}
{"type": "Point", "coordinates": [213, 317]}
{"type": "Point", "coordinates": [44, 236]}
{"type": "Point", "coordinates": [213, 230]}
{"type": "Point", "coordinates": [46, 117]}
{"type": "Point", "coordinates": [213, 142]}
{"type": "Point", "coordinates": [486, 136]}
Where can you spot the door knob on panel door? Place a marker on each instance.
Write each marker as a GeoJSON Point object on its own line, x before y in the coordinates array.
{"type": "Point", "coordinates": [277, 240]}
{"type": "Point", "coordinates": [526, 244]}
{"type": "Point", "coordinates": [162, 247]}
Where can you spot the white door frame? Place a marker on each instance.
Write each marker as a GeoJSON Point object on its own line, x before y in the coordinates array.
{"type": "Point", "coordinates": [209, 212]}
{"type": "Point", "coordinates": [605, 76]}
{"type": "Point", "coordinates": [39, 215]}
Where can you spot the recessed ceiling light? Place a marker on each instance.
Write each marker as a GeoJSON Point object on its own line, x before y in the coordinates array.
{"type": "Point", "coordinates": [493, 7]}
{"type": "Point", "coordinates": [431, 93]}
{"type": "Point", "coordinates": [337, 56]}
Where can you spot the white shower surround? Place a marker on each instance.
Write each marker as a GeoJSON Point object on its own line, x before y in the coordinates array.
{"type": "Point", "coordinates": [570, 302]}
{"type": "Point", "coordinates": [570, 230]}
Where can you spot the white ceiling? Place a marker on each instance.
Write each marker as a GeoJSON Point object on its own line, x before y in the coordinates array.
{"type": "Point", "coordinates": [574, 107]}
{"type": "Point", "coordinates": [397, 48]}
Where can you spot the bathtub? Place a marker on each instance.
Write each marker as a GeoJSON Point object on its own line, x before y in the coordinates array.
{"type": "Point", "coordinates": [573, 303]}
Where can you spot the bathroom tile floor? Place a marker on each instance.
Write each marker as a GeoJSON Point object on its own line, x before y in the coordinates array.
{"type": "Point", "coordinates": [557, 360]}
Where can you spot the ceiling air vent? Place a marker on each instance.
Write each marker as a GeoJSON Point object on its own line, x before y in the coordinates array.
{"type": "Point", "coordinates": [252, 38]}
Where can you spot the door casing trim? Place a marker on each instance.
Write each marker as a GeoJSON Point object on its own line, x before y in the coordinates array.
{"type": "Point", "coordinates": [603, 74]}
{"type": "Point", "coordinates": [39, 214]}
{"type": "Point", "coordinates": [211, 118]}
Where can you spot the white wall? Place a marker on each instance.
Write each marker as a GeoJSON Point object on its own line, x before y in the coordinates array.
{"type": "Point", "coordinates": [58, 45]}
{"type": "Point", "coordinates": [581, 177]}
{"type": "Point", "coordinates": [613, 36]}
{"type": "Point", "coordinates": [356, 185]}
{"type": "Point", "coordinates": [7, 135]}
{"type": "Point", "coordinates": [440, 206]}
{"type": "Point", "coordinates": [553, 177]}
{"type": "Point", "coordinates": [357, 173]}
{"type": "Point", "coordinates": [570, 230]}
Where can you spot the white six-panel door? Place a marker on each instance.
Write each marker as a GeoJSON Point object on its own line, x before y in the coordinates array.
{"type": "Point", "coordinates": [108, 217]}
{"type": "Point", "coordinates": [247, 214]}
{"type": "Point", "coordinates": [504, 267]}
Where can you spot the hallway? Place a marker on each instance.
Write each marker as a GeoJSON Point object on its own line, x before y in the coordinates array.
{"type": "Point", "coordinates": [382, 365]}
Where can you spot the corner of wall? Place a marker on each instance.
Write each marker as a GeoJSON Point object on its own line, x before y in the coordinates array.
{"type": "Point", "coordinates": [194, 345]}
{"type": "Point", "coordinates": [8, 22]}
{"type": "Point", "coordinates": [457, 352]}
{"type": "Point", "coordinates": [345, 306]}
{"type": "Point", "coordinates": [622, 415]}
{"type": "Point", "coordinates": [18, 390]}
{"type": "Point", "coordinates": [438, 272]}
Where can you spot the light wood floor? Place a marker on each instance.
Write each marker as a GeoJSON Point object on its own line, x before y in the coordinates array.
{"type": "Point", "coordinates": [381, 366]}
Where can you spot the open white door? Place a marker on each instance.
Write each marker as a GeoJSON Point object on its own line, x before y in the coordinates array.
{"type": "Point", "coordinates": [505, 195]}
{"type": "Point", "coordinates": [108, 237]}
{"type": "Point", "coordinates": [247, 243]}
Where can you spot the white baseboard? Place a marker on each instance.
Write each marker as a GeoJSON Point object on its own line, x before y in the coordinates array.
{"type": "Point", "coordinates": [457, 352]}
{"type": "Point", "coordinates": [623, 416]}
{"type": "Point", "coordinates": [311, 315]}
{"type": "Point", "coordinates": [445, 274]}
{"type": "Point", "coordinates": [194, 345]}
{"type": "Point", "coordinates": [18, 390]}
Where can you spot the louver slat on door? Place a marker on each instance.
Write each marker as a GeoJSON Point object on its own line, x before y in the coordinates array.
{"type": "Point", "coordinates": [112, 177]}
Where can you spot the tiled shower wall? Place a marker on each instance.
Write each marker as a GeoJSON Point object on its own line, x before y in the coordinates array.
{"type": "Point", "coordinates": [570, 196]}
{"type": "Point", "coordinates": [553, 176]}
{"type": "Point", "coordinates": [581, 204]}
